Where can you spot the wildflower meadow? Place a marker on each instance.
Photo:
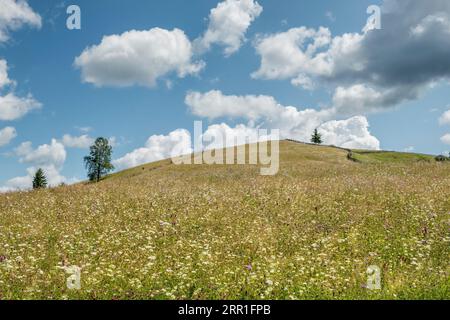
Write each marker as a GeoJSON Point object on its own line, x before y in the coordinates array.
{"type": "Point", "coordinates": [162, 231]}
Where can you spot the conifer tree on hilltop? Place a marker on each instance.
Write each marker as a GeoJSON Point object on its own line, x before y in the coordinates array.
{"type": "Point", "coordinates": [39, 180]}
{"type": "Point", "coordinates": [316, 137]}
{"type": "Point", "coordinates": [98, 162]}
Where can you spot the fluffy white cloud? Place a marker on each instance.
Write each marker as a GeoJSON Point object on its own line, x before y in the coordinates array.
{"type": "Point", "coordinates": [84, 141]}
{"type": "Point", "coordinates": [304, 82]}
{"type": "Point", "coordinates": [52, 174]}
{"type": "Point", "coordinates": [142, 57]}
{"type": "Point", "coordinates": [445, 118]}
{"type": "Point", "coordinates": [220, 136]}
{"type": "Point", "coordinates": [49, 157]}
{"type": "Point", "coordinates": [53, 153]}
{"type": "Point", "coordinates": [178, 142]}
{"type": "Point", "coordinates": [138, 58]}
{"type": "Point", "coordinates": [266, 112]}
{"type": "Point", "coordinates": [81, 142]}
{"type": "Point", "coordinates": [356, 98]}
{"type": "Point", "coordinates": [352, 133]}
{"type": "Point", "coordinates": [14, 14]}
{"type": "Point", "coordinates": [13, 107]}
{"type": "Point", "coordinates": [372, 70]}
{"type": "Point", "coordinates": [4, 79]}
{"type": "Point", "coordinates": [291, 54]}
{"type": "Point", "coordinates": [214, 104]}
{"type": "Point", "coordinates": [157, 147]}
{"type": "Point", "coordinates": [446, 138]}
{"type": "Point", "coordinates": [228, 23]}
{"type": "Point", "coordinates": [6, 135]}
{"type": "Point", "coordinates": [18, 183]}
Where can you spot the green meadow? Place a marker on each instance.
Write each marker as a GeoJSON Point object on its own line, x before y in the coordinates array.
{"type": "Point", "coordinates": [162, 231]}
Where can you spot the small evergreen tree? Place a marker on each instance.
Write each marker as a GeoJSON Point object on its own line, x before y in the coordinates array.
{"type": "Point", "coordinates": [316, 137]}
{"type": "Point", "coordinates": [98, 163]}
{"type": "Point", "coordinates": [39, 180]}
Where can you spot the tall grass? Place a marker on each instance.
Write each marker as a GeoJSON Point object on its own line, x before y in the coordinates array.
{"type": "Point", "coordinates": [224, 232]}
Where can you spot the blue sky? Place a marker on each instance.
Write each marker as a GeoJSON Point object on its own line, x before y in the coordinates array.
{"type": "Point", "coordinates": [41, 57]}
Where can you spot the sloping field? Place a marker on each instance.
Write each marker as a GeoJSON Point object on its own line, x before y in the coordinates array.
{"type": "Point", "coordinates": [163, 231]}
{"type": "Point", "coordinates": [390, 157]}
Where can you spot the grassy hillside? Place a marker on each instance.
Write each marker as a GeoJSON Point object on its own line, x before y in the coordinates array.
{"type": "Point", "coordinates": [390, 157]}
{"type": "Point", "coordinates": [162, 231]}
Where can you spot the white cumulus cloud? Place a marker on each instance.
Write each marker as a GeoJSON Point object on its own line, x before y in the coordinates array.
{"type": "Point", "coordinates": [6, 135]}
{"type": "Point", "coordinates": [13, 107]}
{"type": "Point", "coordinates": [214, 104]}
{"type": "Point", "coordinates": [143, 57]}
{"type": "Point", "coordinates": [81, 142]}
{"type": "Point", "coordinates": [53, 153]}
{"type": "Point", "coordinates": [4, 79]}
{"type": "Point", "coordinates": [294, 53]}
{"type": "Point", "coordinates": [14, 14]}
{"type": "Point", "coordinates": [445, 118]}
{"type": "Point", "coordinates": [49, 157]}
{"type": "Point", "coordinates": [220, 136]}
{"type": "Point", "coordinates": [157, 147]}
{"type": "Point", "coordinates": [352, 133]}
{"type": "Point", "coordinates": [446, 138]}
{"type": "Point", "coordinates": [228, 23]}
{"type": "Point", "coordinates": [138, 58]}
{"type": "Point", "coordinates": [265, 112]}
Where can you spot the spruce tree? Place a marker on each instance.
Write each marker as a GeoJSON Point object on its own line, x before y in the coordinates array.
{"type": "Point", "coordinates": [98, 162]}
{"type": "Point", "coordinates": [39, 180]}
{"type": "Point", "coordinates": [316, 137]}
